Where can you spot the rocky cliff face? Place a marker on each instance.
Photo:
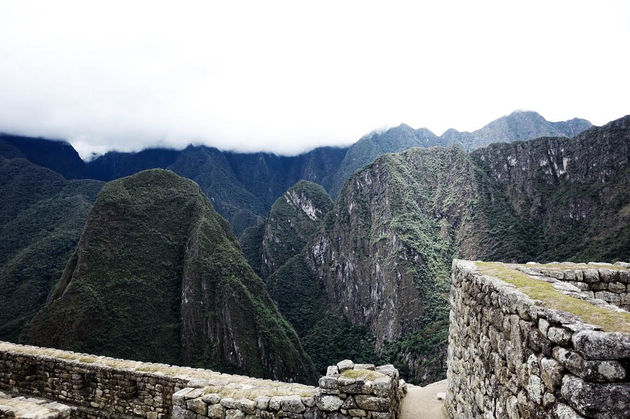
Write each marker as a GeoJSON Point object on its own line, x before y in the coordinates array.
{"type": "Point", "coordinates": [519, 125]}
{"type": "Point", "coordinates": [293, 219]}
{"type": "Point", "coordinates": [371, 146]}
{"type": "Point", "coordinates": [277, 247]}
{"type": "Point", "coordinates": [386, 248]}
{"type": "Point", "coordinates": [576, 191]}
{"type": "Point", "coordinates": [157, 275]}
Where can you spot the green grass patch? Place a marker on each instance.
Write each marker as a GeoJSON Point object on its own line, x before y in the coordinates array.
{"type": "Point", "coordinates": [575, 266]}
{"type": "Point", "coordinates": [365, 374]}
{"type": "Point", "coordinates": [610, 321]}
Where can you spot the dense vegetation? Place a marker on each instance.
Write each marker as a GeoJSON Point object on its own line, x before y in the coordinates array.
{"type": "Point", "coordinates": [365, 278]}
{"type": "Point", "coordinates": [158, 276]}
{"type": "Point", "coordinates": [243, 186]}
{"type": "Point", "coordinates": [383, 253]}
{"type": "Point", "coordinates": [41, 218]}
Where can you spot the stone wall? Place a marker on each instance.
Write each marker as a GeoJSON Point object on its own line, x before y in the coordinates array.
{"type": "Point", "coordinates": [512, 355]}
{"type": "Point", "coordinates": [347, 391]}
{"type": "Point", "coordinates": [593, 280]}
{"type": "Point", "coordinates": [96, 387]}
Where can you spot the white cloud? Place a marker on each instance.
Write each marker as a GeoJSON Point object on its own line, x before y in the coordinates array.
{"type": "Point", "coordinates": [287, 76]}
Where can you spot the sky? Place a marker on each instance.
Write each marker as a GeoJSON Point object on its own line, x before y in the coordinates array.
{"type": "Point", "coordinates": [287, 76]}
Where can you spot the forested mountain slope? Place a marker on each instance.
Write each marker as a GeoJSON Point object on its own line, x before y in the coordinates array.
{"type": "Point", "coordinates": [159, 276]}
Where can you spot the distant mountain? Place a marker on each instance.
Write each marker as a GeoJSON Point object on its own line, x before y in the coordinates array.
{"type": "Point", "coordinates": [158, 276]}
{"type": "Point", "coordinates": [517, 126]}
{"type": "Point", "coordinates": [41, 218]}
{"type": "Point", "coordinates": [243, 186]}
{"type": "Point", "coordinates": [381, 258]}
{"type": "Point", "coordinates": [114, 164]}
{"type": "Point", "coordinates": [56, 155]}
{"type": "Point", "coordinates": [575, 191]}
{"type": "Point", "coordinates": [275, 248]}
{"type": "Point", "coordinates": [373, 145]}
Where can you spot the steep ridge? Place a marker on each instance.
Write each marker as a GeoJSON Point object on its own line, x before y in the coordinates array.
{"type": "Point", "coordinates": [293, 219]}
{"type": "Point", "coordinates": [276, 247]}
{"type": "Point", "coordinates": [56, 155]}
{"type": "Point", "coordinates": [519, 125]}
{"type": "Point", "coordinates": [577, 191]}
{"type": "Point", "coordinates": [114, 164]}
{"type": "Point", "coordinates": [157, 275]}
{"type": "Point", "coordinates": [41, 218]}
{"type": "Point", "coordinates": [385, 249]}
{"type": "Point", "coordinates": [243, 186]}
{"type": "Point", "coordinates": [371, 146]}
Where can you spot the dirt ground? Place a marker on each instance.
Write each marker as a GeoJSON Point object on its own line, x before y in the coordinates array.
{"type": "Point", "coordinates": [422, 402]}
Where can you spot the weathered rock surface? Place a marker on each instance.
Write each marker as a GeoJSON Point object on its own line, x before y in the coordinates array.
{"type": "Point", "coordinates": [511, 355]}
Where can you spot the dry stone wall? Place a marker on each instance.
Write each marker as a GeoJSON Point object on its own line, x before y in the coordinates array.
{"type": "Point", "coordinates": [511, 355]}
{"type": "Point", "coordinates": [97, 387]}
{"type": "Point", "coordinates": [347, 391]}
{"type": "Point", "coordinates": [592, 280]}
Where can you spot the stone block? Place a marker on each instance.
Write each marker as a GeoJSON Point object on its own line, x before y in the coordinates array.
{"type": "Point", "coordinates": [216, 411]}
{"type": "Point", "coordinates": [376, 404]}
{"type": "Point", "coordinates": [617, 287]}
{"type": "Point", "coordinates": [594, 344]}
{"type": "Point", "coordinates": [559, 335]}
{"type": "Point", "coordinates": [543, 326]}
{"type": "Point", "coordinates": [211, 398]}
{"type": "Point", "coordinates": [234, 414]}
{"type": "Point", "coordinates": [591, 399]}
{"type": "Point", "coordinates": [179, 396]}
{"type": "Point", "coordinates": [608, 296]}
{"type": "Point", "coordinates": [591, 275]}
{"type": "Point", "coordinates": [346, 364]}
{"type": "Point", "coordinates": [328, 382]}
{"type": "Point", "coordinates": [551, 373]}
{"type": "Point", "coordinates": [197, 405]}
{"type": "Point", "coordinates": [328, 403]}
{"type": "Point", "coordinates": [389, 370]}
{"type": "Point", "coordinates": [182, 413]}
{"type": "Point", "coordinates": [292, 404]}
{"type": "Point", "coordinates": [562, 411]}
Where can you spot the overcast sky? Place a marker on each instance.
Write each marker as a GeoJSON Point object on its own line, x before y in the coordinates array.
{"type": "Point", "coordinates": [285, 76]}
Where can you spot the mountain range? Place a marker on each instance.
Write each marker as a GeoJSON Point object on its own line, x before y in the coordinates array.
{"type": "Point", "coordinates": [378, 267]}
{"type": "Point", "coordinates": [243, 186]}
{"type": "Point", "coordinates": [364, 276]}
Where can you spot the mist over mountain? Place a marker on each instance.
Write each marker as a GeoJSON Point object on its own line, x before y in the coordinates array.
{"type": "Point", "coordinates": [243, 186]}
{"type": "Point", "coordinates": [363, 277]}
{"type": "Point", "coordinates": [381, 258]}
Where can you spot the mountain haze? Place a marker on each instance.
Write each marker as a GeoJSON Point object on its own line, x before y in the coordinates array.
{"type": "Point", "coordinates": [243, 186]}
{"type": "Point", "coordinates": [381, 257]}
{"type": "Point", "coordinates": [519, 125]}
